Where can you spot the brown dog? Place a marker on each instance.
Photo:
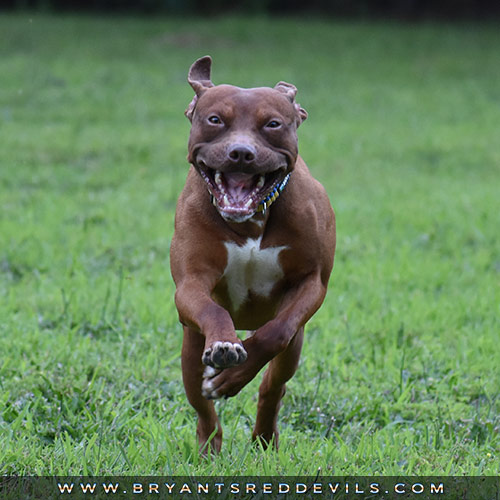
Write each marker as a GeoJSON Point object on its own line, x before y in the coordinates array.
{"type": "Point", "coordinates": [252, 250]}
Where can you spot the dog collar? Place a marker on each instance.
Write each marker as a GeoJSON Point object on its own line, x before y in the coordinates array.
{"type": "Point", "coordinates": [273, 195]}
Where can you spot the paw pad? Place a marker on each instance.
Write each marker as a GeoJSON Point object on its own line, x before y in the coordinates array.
{"type": "Point", "coordinates": [224, 355]}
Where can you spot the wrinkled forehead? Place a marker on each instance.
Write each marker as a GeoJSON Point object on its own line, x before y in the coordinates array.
{"type": "Point", "coordinates": [263, 99]}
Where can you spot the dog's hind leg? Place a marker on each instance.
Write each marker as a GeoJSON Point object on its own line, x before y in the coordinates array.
{"type": "Point", "coordinates": [272, 390]}
{"type": "Point", "coordinates": [209, 430]}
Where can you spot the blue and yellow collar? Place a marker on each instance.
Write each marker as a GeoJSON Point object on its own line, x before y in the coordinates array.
{"type": "Point", "coordinates": [273, 195]}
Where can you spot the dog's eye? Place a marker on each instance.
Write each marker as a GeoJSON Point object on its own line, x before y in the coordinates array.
{"type": "Point", "coordinates": [273, 124]}
{"type": "Point", "coordinates": [215, 120]}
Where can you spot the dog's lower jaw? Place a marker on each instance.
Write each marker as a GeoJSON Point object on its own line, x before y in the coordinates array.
{"type": "Point", "coordinates": [234, 217]}
{"type": "Point", "coordinates": [229, 216]}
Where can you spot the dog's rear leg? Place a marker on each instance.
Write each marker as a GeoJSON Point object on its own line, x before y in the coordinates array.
{"type": "Point", "coordinates": [209, 430]}
{"type": "Point", "coordinates": [272, 390]}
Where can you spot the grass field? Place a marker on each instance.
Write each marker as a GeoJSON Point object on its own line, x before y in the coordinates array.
{"type": "Point", "coordinates": [400, 372]}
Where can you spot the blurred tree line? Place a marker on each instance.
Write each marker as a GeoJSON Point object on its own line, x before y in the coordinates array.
{"type": "Point", "coordinates": [406, 9]}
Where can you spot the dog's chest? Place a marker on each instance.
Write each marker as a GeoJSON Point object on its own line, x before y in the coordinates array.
{"type": "Point", "coordinates": [251, 269]}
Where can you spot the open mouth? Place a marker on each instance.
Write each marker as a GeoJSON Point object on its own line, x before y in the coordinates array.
{"type": "Point", "coordinates": [237, 195]}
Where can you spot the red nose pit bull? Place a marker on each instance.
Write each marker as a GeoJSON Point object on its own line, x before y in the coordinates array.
{"type": "Point", "coordinates": [252, 250]}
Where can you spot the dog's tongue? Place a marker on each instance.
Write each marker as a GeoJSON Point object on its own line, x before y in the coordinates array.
{"type": "Point", "coordinates": [238, 185]}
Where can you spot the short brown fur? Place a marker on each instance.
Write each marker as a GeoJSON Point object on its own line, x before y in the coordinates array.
{"type": "Point", "coordinates": [301, 220]}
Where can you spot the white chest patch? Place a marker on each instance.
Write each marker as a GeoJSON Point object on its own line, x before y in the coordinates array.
{"type": "Point", "coordinates": [251, 268]}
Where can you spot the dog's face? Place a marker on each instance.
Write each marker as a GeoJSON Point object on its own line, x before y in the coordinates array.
{"type": "Point", "coordinates": [243, 142]}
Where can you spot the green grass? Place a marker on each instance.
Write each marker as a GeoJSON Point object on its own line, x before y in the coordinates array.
{"type": "Point", "coordinates": [400, 371]}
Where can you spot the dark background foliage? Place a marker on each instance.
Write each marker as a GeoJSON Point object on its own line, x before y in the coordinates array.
{"type": "Point", "coordinates": [400, 9]}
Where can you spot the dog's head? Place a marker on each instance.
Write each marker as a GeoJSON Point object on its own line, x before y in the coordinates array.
{"type": "Point", "coordinates": [243, 142]}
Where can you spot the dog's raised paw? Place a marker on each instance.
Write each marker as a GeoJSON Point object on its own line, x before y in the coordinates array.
{"type": "Point", "coordinates": [207, 387]}
{"type": "Point", "coordinates": [224, 355]}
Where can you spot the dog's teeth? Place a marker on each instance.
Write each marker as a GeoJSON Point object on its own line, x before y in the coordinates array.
{"type": "Point", "coordinates": [226, 200]}
{"type": "Point", "coordinates": [218, 178]}
{"type": "Point", "coordinates": [248, 204]}
{"type": "Point", "coordinates": [261, 181]}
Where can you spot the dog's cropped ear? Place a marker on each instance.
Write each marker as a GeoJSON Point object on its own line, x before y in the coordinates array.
{"type": "Point", "coordinates": [199, 79]}
{"type": "Point", "coordinates": [199, 75]}
{"type": "Point", "coordinates": [291, 91]}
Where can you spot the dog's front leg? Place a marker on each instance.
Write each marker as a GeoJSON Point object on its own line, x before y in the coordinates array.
{"type": "Point", "coordinates": [209, 339]}
{"type": "Point", "coordinates": [269, 341]}
{"type": "Point", "coordinates": [198, 311]}
{"type": "Point", "coordinates": [279, 342]}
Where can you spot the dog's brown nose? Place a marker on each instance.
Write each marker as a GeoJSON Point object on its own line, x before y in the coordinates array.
{"type": "Point", "coordinates": [242, 154]}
